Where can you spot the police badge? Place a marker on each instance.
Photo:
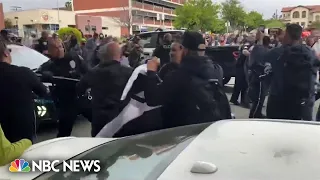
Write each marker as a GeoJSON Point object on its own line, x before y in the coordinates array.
{"type": "Point", "coordinates": [72, 64]}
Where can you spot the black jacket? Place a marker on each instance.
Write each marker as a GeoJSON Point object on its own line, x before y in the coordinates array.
{"type": "Point", "coordinates": [167, 68]}
{"type": "Point", "coordinates": [42, 45]}
{"type": "Point", "coordinates": [173, 93]}
{"type": "Point", "coordinates": [68, 67]}
{"type": "Point", "coordinates": [274, 58]}
{"type": "Point", "coordinates": [163, 52]}
{"type": "Point", "coordinates": [107, 82]}
{"type": "Point", "coordinates": [18, 85]}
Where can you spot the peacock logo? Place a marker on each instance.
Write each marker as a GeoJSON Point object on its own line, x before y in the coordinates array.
{"type": "Point", "coordinates": [19, 165]}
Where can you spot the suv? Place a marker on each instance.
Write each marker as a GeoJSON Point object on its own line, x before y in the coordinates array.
{"type": "Point", "coordinates": [150, 40]}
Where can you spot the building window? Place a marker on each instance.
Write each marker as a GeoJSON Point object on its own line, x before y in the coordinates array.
{"type": "Point", "coordinates": [105, 28]}
{"type": "Point", "coordinates": [284, 15]}
{"type": "Point", "coordinates": [317, 17]}
{"type": "Point", "coordinates": [54, 27]}
{"type": "Point", "coordinates": [303, 24]}
{"type": "Point", "coordinates": [296, 14]}
{"type": "Point", "coordinates": [93, 28]}
{"type": "Point", "coordinates": [298, 23]}
{"type": "Point", "coordinates": [304, 14]}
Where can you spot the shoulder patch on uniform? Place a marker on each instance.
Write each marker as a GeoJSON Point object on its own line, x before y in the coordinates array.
{"type": "Point", "coordinates": [72, 64]}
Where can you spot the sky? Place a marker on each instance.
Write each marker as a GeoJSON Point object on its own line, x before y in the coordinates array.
{"type": "Point", "coordinates": [266, 7]}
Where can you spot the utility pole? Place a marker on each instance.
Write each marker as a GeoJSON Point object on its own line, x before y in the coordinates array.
{"type": "Point", "coordinates": [58, 13]}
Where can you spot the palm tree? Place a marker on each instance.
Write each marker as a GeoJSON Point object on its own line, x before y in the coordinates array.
{"type": "Point", "coordinates": [68, 5]}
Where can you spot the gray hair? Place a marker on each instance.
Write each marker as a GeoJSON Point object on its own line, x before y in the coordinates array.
{"type": "Point", "coordinates": [103, 53]}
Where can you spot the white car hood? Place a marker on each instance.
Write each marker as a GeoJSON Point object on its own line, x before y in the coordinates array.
{"type": "Point", "coordinates": [55, 149]}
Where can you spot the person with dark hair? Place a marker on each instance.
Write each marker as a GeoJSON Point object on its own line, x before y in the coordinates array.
{"type": "Point", "coordinates": [162, 52]}
{"type": "Point", "coordinates": [91, 47]}
{"type": "Point", "coordinates": [18, 88]}
{"type": "Point", "coordinates": [5, 36]}
{"type": "Point", "coordinates": [241, 83]}
{"type": "Point", "coordinates": [278, 38]}
{"type": "Point", "coordinates": [175, 59]}
{"type": "Point", "coordinates": [258, 87]}
{"type": "Point", "coordinates": [134, 50]}
{"type": "Point", "coordinates": [42, 44]}
{"type": "Point", "coordinates": [101, 36]}
{"type": "Point", "coordinates": [74, 47]}
{"type": "Point", "coordinates": [64, 94]}
{"type": "Point", "coordinates": [294, 68]}
{"type": "Point", "coordinates": [182, 92]}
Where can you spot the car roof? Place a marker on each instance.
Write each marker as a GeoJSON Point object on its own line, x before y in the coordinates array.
{"type": "Point", "coordinates": [251, 150]}
{"type": "Point", "coordinates": [26, 57]}
{"type": "Point", "coordinates": [165, 31]}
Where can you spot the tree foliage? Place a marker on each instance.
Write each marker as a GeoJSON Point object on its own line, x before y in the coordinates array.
{"type": "Point", "coordinates": [218, 26]}
{"type": "Point", "coordinates": [253, 20]}
{"type": "Point", "coordinates": [197, 15]}
{"type": "Point", "coordinates": [316, 25]}
{"type": "Point", "coordinates": [8, 23]}
{"type": "Point", "coordinates": [64, 32]}
{"type": "Point", "coordinates": [233, 12]}
{"type": "Point", "coordinates": [274, 23]}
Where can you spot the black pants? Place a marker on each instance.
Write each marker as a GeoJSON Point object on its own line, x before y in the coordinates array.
{"type": "Point", "coordinates": [241, 86]}
{"type": "Point", "coordinates": [279, 108]}
{"type": "Point", "coordinates": [257, 94]}
{"type": "Point", "coordinates": [68, 112]}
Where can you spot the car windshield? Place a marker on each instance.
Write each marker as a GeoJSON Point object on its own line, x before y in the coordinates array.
{"type": "Point", "coordinates": [26, 57]}
{"type": "Point", "coordinates": [139, 157]}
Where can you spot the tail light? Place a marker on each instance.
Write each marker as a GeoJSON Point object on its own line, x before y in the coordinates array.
{"type": "Point", "coordinates": [236, 54]}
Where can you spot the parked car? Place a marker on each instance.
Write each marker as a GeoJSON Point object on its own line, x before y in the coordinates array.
{"type": "Point", "coordinates": [224, 150]}
{"type": "Point", "coordinates": [226, 57]}
{"type": "Point", "coordinates": [45, 110]}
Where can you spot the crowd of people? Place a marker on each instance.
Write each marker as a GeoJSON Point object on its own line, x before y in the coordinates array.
{"type": "Point", "coordinates": [180, 84]}
{"type": "Point", "coordinates": [286, 72]}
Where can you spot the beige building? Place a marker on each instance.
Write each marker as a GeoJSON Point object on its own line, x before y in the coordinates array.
{"type": "Point", "coordinates": [38, 20]}
{"type": "Point", "coordinates": [302, 15]}
{"type": "Point", "coordinates": [35, 21]}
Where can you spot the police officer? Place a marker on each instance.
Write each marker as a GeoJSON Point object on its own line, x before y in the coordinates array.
{"type": "Point", "coordinates": [163, 51]}
{"type": "Point", "coordinates": [258, 84]}
{"type": "Point", "coordinates": [64, 92]}
{"type": "Point", "coordinates": [42, 43]}
{"type": "Point", "coordinates": [241, 84]}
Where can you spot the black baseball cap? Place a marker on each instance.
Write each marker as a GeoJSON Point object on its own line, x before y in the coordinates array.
{"type": "Point", "coordinates": [193, 41]}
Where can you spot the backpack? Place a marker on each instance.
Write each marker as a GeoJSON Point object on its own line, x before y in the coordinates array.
{"type": "Point", "coordinates": [208, 100]}
{"type": "Point", "coordinates": [298, 74]}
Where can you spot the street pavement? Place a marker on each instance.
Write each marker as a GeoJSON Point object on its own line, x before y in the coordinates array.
{"type": "Point", "coordinates": [82, 127]}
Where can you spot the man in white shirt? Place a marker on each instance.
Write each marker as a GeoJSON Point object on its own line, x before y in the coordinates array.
{"type": "Point", "coordinates": [316, 46]}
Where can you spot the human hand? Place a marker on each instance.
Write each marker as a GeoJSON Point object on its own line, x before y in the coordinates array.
{"type": "Point", "coordinates": [153, 64]}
